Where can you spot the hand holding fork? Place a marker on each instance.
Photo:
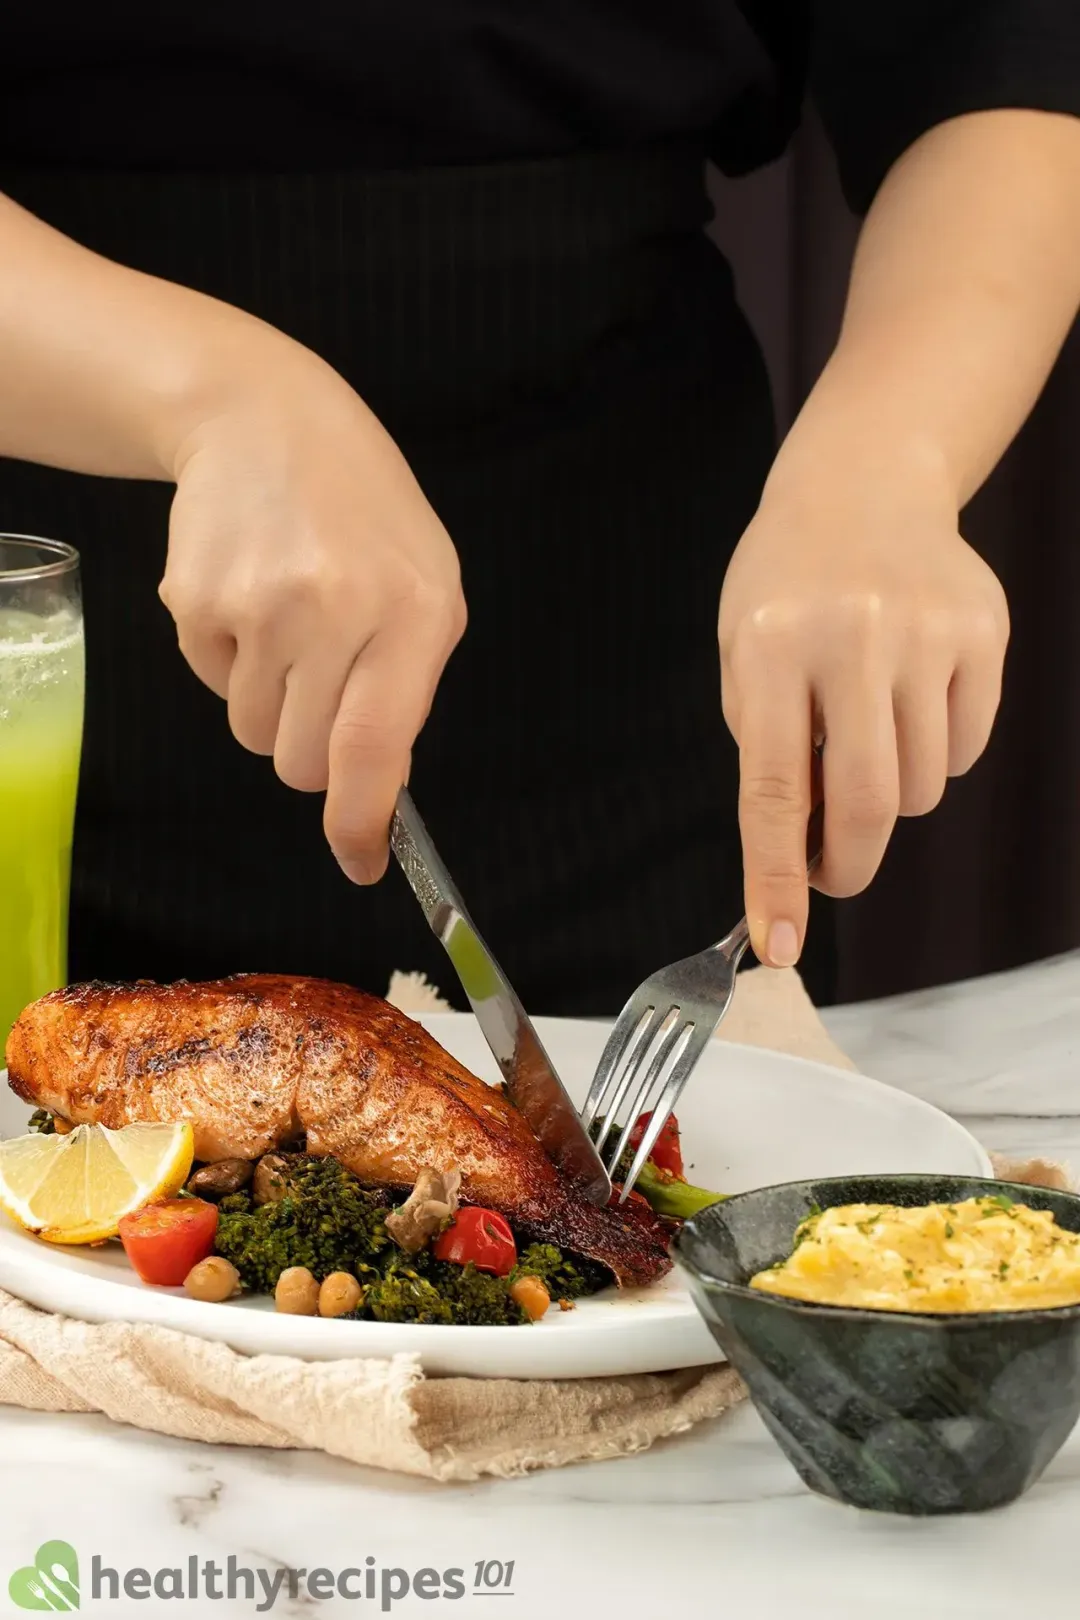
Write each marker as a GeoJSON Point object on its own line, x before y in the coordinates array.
{"type": "Point", "coordinates": [660, 1035]}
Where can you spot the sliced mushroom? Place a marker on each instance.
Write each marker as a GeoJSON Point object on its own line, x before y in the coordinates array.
{"type": "Point", "coordinates": [220, 1180]}
{"type": "Point", "coordinates": [428, 1207]}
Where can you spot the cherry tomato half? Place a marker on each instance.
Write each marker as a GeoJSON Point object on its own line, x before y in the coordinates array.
{"type": "Point", "coordinates": [667, 1150]}
{"type": "Point", "coordinates": [164, 1241]}
{"type": "Point", "coordinates": [479, 1235]}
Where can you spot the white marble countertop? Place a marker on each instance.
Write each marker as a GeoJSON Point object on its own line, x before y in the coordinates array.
{"type": "Point", "coordinates": [712, 1523]}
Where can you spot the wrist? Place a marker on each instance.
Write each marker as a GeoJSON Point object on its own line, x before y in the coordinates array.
{"type": "Point", "coordinates": [223, 363]}
{"type": "Point", "coordinates": [836, 449]}
{"type": "Point", "coordinates": [853, 434]}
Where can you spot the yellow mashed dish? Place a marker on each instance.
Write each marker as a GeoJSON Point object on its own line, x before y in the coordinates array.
{"type": "Point", "coordinates": [984, 1254]}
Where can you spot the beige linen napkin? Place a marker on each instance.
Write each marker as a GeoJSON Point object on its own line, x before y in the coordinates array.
{"type": "Point", "coordinates": [387, 1414]}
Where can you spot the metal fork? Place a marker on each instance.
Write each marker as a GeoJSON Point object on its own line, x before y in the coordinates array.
{"type": "Point", "coordinates": [663, 1030]}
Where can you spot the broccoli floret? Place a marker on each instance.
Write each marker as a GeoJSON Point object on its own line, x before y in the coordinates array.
{"type": "Point", "coordinates": [475, 1299]}
{"type": "Point", "coordinates": [327, 1222]}
{"type": "Point", "coordinates": [562, 1277]}
{"type": "Point", "coordinates": [418, 1288]}
{"type": "Point", "coordinates": [237, 1203]}
{"type": "Point", "coordinates": [401, 1295]}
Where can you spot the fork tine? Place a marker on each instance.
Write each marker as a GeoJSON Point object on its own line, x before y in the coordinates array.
{"type": "Point", "coordinates": [621, 1043]}
{"type": "Point", "coordinates": [665, 1038]}
{"type": "Point", "coordinates": [693, 1041]}
{"type": "Point", "coordinates": [653, 1033]}
{"type": "Point", "coordinates": [644, 1036]}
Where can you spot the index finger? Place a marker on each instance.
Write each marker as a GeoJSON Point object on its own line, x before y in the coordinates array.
{"type": "Point", "coordinates": [385, 702]}
{"type": "Point", "coordinates": [775, 747]}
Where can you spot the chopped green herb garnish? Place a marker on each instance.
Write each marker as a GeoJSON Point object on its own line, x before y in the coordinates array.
{"type": "Point", "coordinates": [806, 1226]}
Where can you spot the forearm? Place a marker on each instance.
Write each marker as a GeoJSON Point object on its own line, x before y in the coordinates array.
{"type": "Point", "coordinates": [105, 370]}
{"type": "Point", "coordinates": [965, 282]}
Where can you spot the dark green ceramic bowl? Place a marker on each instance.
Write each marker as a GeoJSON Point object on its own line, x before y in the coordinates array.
{"type": "Point", "coordinates": [880, 1409]}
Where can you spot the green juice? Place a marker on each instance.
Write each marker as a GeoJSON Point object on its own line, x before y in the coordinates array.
{"type": "Point", "coordinates": [41, 716]}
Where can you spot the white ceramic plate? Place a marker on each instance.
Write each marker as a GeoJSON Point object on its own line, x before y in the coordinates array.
{"type": "Point", "coordinates": [749, 1118]}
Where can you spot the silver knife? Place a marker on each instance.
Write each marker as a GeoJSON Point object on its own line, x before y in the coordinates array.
{"type": "Point", "coordinates": [532, 1084]}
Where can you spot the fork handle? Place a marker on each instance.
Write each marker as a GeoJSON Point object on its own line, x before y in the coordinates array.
{"type": "Point", "coordinates": [733, 946]}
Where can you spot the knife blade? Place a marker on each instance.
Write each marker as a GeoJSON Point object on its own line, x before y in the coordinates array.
{"type": "Point", "coordinates": [532, 1082]}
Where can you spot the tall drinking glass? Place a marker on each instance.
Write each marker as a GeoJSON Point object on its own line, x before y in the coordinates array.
{"type": "Point", "coordinates": [41, 719]}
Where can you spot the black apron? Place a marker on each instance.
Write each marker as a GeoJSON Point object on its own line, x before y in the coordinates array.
{"type": "Point", "coordinates": [557, 350]}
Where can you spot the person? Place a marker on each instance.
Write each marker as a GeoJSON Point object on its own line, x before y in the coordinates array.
{"type": "Point", "coordinates": [416, 310]}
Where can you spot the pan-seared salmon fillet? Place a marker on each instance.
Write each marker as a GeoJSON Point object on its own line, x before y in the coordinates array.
{"type": "Point", "coordinates": [260, 1061]}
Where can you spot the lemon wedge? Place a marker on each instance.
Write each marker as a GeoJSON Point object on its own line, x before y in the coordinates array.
{"type": "Point", "coordinates": [75, 1188]}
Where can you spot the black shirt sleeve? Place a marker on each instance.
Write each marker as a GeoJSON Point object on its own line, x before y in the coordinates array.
{"type": "Point", "coordinates": [883, 72]}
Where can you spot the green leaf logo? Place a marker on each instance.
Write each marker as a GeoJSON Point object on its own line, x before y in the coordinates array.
{"type": "Point", "coordinates": [51, 1582]}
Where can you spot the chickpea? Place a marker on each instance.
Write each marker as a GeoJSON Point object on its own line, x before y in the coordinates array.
{"type": "Point", "coordinates": [213, 1279]}
{"type": "Point", "coordinates": [339, 1294]}
{"type": "Point", "coordinates": [532, 1296]}
{"type": "Point", "coordinates": [297, 1292]}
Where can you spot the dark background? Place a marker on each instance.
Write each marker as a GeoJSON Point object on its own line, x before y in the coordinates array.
{"type": "Point", "coordinates": [992, 878]}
